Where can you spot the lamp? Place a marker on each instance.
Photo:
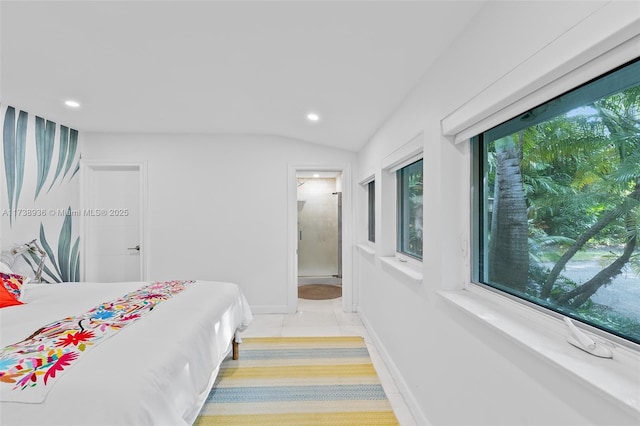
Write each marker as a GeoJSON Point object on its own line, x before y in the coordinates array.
{"type": "Point", "coordinates": [32, 247]}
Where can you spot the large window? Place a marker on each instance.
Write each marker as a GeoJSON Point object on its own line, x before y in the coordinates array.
{"type": "Point", "coordinates": [409, 235]}
{"type": "Point", "coordinates": [371, 211]}
{"type": "Point", "coordinates": [557, 203]}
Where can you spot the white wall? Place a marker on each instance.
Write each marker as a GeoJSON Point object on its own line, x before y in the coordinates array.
{"type": "Point", "coordinates": [452, 367]}
{"type": "Point", "coordinates": [48, 209]}
{"type": "Point", "coordinates": [218, 205]}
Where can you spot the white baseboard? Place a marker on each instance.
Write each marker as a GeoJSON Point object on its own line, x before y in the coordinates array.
{"type": "Point", "coordinates": [412, 404]}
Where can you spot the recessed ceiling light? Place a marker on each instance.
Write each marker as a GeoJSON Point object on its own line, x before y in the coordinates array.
{"type": "Point", "coordinates": [72, 104]}
{"type": "Point", "coordinates": [312, 116]}
{"type": "Point", "coordinates": [316, 175]}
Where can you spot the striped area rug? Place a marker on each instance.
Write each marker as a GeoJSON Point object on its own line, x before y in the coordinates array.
{"type": "Point", "coordinates": [298, 381]}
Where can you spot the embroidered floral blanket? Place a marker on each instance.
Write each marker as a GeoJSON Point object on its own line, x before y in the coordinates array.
{"type": "Point", "coordinates": [28, 369]}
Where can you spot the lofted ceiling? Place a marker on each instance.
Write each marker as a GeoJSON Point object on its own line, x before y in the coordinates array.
{"type": "Point", "coordinates": [221, 66]}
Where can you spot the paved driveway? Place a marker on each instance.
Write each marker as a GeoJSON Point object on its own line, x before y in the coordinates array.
{"type": "Point", "coordinates": [622, 294]}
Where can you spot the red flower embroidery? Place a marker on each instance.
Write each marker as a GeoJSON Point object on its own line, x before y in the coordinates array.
{"type": "Point", "coordinates": [60, 364]}
{"type": "Point", "coordinates": [75, 338]}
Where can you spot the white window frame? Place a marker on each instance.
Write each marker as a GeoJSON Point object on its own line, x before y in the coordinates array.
{"type": "Point", "coordinates": [408, 153]}
{"type": "Point", "coordinates": [534, 331]}
{"type": "Point", "coordinates": [371, 211]}
{"type": "Point", "coordinates": [402, 256]}
{"type": "Point", "coordinates": [364, 184]}
{"type": "Point", "coordinates": [366, 244]}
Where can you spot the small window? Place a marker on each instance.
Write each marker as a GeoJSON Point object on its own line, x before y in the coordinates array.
{"type": "Point", "coordinates": [557, 204]}
{"type": "Point", "coordinates": [409, 222]}
{"type": "Point", "coordinates": [371, 208]}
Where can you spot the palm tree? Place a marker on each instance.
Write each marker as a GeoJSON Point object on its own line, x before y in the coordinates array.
{"type": "Point", "coordinates": [508, 242]}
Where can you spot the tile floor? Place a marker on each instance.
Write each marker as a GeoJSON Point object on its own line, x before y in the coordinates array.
{"type": "Point", "coordinates": [325, 318]}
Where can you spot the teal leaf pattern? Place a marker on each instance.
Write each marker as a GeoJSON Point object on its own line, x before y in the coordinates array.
{"type": "Point", "coordinates": [14, 144]}
{"type": "Point", "coordinates": [62, 153]}
{"type": "Point", "coordinates": [66, 267]}
{"type": "Point", "coordinates": [74, 266]}
{"type": "Point", "coordinates": [9, 147]}
{"type": "Point", "coordinates": [64, 248]}
{"type": "Point", "coordinates": [73, 146]}
{"type": "Point", "coordinates": [63, 265]}
{"type": "Point", "coordinates": [76, 170]}
{"type": "Point", "coordinates": [21, 149]}
{"type": "Point", "coordinates": [45, 270]}
{"type": "Point", "coordinates": [47, 248]}
{"type": "Point", "coordinates": [45, 141]}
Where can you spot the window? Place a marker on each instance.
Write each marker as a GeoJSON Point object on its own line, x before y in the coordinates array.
{"type": "Point", "coordinates": [557, 204]}
{"type": "Point", "coordinates": [371, 208]}
{"type": "Point", "coordinates": [409, 222]}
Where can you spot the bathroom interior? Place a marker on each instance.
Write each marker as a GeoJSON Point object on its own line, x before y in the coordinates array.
{"type": "Point", "coordinates": [319, 235]}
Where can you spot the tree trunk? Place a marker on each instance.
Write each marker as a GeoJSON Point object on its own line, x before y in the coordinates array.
{"type": "Point", "coordinates": [582, 293]}
{"type": "Point", "coordinates": [605, 220]}
{"type": "Point", "coordinates": [508, 244]}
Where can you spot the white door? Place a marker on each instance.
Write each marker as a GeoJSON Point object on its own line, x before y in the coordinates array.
{"type": "Point", "coordinates": [112, 215]}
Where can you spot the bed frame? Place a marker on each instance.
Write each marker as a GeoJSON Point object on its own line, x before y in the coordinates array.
{"type": "Point", "coordinates": [236, 348]}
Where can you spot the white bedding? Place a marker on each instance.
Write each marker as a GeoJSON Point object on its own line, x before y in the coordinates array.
{"type": "Point", "coordinates": [157, 371]}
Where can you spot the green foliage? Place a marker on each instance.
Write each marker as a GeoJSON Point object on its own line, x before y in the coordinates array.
{"type": "Point", "coordinates": [415, 189]}
{"type": "Point", "coordinates": [581, 164]}
{"type": "Point", "coordinates": [609, 319]}
{"type": "Point", "coordinates": [581, 180]}
{"type": "Point", "coordinates": [538, 274]}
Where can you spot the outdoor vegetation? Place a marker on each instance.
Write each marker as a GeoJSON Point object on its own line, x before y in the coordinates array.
{"type": "Point", "coordinates": [561, 187]}
{"type": "Point", "coordinates": [410, 209]}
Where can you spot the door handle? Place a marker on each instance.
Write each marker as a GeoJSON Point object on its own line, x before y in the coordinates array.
{"type": "Point", "coordinates": [134, 248]}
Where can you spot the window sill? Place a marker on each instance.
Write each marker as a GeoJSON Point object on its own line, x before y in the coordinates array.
{"type": "Point", "coordinates": [402, 267]}
{"type": "Point", "coordinates": [616, 379]}
{"type": "Point", "coordinates": [366, 249]}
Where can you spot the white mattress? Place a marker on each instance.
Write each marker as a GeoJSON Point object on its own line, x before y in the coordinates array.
{"type": "Point", "coordinates": [157, 371]}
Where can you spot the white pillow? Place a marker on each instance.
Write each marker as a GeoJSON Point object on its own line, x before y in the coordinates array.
{"type": "Point", "coordinates": [5, 269]}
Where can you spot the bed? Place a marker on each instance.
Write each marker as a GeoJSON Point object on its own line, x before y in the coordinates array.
{"type": "Point", "coordinates": [156, 371]}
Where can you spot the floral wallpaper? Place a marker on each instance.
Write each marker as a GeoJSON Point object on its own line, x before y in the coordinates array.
{"type": "Point", "coordinates": [40, 191]}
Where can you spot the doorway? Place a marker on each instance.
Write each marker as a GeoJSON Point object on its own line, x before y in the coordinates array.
{"type": "Point", "coordinates": [349, 293]}
{"type": "Point", "coordinates": [319, 202]}
{"type": "Point", "coordinates": [112, 202]}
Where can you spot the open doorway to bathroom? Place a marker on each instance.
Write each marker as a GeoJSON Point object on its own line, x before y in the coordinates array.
{"type": "Point", "coordinates": [319, 196]}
